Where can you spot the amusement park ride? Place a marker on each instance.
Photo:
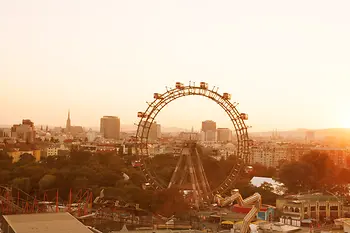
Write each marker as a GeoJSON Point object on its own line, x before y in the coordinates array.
{"type": "Point", "coordinates": [189, 167]}
{"type": "Point", "coordinates": [189, 162]}
{"type": "Point", "coordinates": [16, 201]}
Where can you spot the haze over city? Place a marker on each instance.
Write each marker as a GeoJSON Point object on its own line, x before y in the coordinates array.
{"type": "Point", "coordinates": [174, 116]}
{"type": "Point", "coordinates": [286, 63]}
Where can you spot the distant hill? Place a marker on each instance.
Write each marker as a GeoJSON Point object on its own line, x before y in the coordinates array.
{"type": "Point", "coordinates": [174, 130]}
{"type": "Point", "coordinates": [123, 127]}
{"type": "Point", "coordinates": [300, 133]}
{"type": "Point", "coordinates": [131, 128]}
{"type": "Point", "coordinates": [297, 133]}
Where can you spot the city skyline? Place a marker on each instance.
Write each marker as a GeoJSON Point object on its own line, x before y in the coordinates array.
{"type": "Point", "coordinates": [287, 64]}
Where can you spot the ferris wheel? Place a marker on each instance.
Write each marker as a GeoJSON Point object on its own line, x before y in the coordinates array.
{"type": "Point", "coordinates": [190, 159]}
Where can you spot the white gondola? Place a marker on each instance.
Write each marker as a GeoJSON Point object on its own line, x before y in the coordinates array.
{"type": "Point", "coordinates": [227, 96]}
{"type": "Point", "coordinates": [146, 186]}
{"type": "Point", "coordinates": [244, 116]}
{"type": "Point", "coordinates": [141, 114]}
{"type": "Point", "coordinates": [248, 169]}
{"type": "Point", "coordinates": [204, 85]}
{"type": "Point", "coordinates": [158, 96]}
{"type": "Point", "coordinates": [179, 86]}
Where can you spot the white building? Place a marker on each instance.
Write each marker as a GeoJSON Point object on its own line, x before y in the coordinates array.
{"type": "Point", "coordinates": [339, 156]}
{"type": "Point", "coordinates": [91, 135]}
{"type": "Point", "coordinates": [189, 136]}
{"type": "Point", "coordinates": [346, 225]}
{"type": "Point", "coordinates": [52, 151]}
{"type": "Point", "coordinates": [269, 155]}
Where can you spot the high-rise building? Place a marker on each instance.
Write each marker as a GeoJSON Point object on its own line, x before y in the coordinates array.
{"type": "Point", "coordinates": [5, 133]}
{"type": "Point", "coordinates": [208, 126]}
{"type": "Point", "coordinates": [208, 136]}
{"type": "Point", "coordinates": [110, 127]}
{"type": "Point", "coordinates": [24, 131]}
{"type": "Point", "coordinates": [208, 131]}
{"type": "Point", "coordinates": [224, 135]}
{"type": "Point", "coordinates": [154, 131]}
{"type": "Point", "coordinates": [309, 136]}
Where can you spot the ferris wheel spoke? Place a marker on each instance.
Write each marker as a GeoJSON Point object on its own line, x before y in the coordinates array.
{"type": "Point", "coordinates": [176, 171]}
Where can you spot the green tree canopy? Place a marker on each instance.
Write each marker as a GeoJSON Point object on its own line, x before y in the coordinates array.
{"type": "Point", "coordinates": [47, 182]}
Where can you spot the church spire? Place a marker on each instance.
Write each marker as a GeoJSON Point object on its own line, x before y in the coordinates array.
{"type": "Point", "coordinates": [68, 125]}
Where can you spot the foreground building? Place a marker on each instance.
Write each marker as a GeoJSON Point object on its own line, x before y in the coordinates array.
{"type": "Point", "coordinates": [301, 209]}
{"type": "Point", "coordinates": [43, 223]}
{"type": "Point", "coordinates": [16, 151]}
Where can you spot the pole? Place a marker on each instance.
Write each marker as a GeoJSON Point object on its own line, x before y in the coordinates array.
{"type": "Point", "coordinates": [70, 200]}
{"type": "Point", "coordinates": [18, 197]}
{"type": "Point", "coordinates": [57, 201]}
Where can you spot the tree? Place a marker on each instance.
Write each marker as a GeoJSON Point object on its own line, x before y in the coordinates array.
{"type": "Point", "coordinates": [23, 184]}
{"type": "Point", "coordinates": [314, 171]}
{"type": "Point", "coordinates": [267, 187]}
{"type": "Point", "coordinates": [262, 171]}
{"type": "Point", "coordinates": [169, 202]}
{"type": "Point", "coordinates": [5, 161]}
{"type": "Point", "coordinates": [26, 158]}
{"type": "Point", "coordinates": [46, 182]}
{"type": "Point", "coordinates": [81, 182]}
{"type": "Point", "coordinates": [5, 176]}
{"type": "Point", "coordinates": [298, 176]}
{"type": "Point", "coordinates": [323, 167]}
{"type": "Point", "coordinates": [80, 156]}
{"type": "Point", "coordinates": [104, 158]}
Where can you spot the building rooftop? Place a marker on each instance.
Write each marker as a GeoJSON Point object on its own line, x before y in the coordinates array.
{"type": "Point", "coordinates": [312, 197]}
{"type": "Point", "coordinates": [45, 223]}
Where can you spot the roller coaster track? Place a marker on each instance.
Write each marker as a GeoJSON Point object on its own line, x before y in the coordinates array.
{"type": "Point", "coordinates": [16, 201]}
{"type": "Point", "coordinates": [7, 203]}
{"type": "Point", "coordinates": [254, 201]}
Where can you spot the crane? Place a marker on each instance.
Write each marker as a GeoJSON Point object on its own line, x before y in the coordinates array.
{"type": "Point", "coordinates": [254, 201]}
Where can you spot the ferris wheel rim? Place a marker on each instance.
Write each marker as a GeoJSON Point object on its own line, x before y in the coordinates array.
{"type": "Point", "coordinates": [153, 109]}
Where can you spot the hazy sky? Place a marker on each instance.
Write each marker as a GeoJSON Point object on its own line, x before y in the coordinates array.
{"type": "Point", "coordinates": [286, 62]}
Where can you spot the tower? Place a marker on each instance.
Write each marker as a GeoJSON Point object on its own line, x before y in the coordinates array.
{"type": "Point", "coordinates": [110, 127]}
{"type": "Point", "coordinates": [68, 125]}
